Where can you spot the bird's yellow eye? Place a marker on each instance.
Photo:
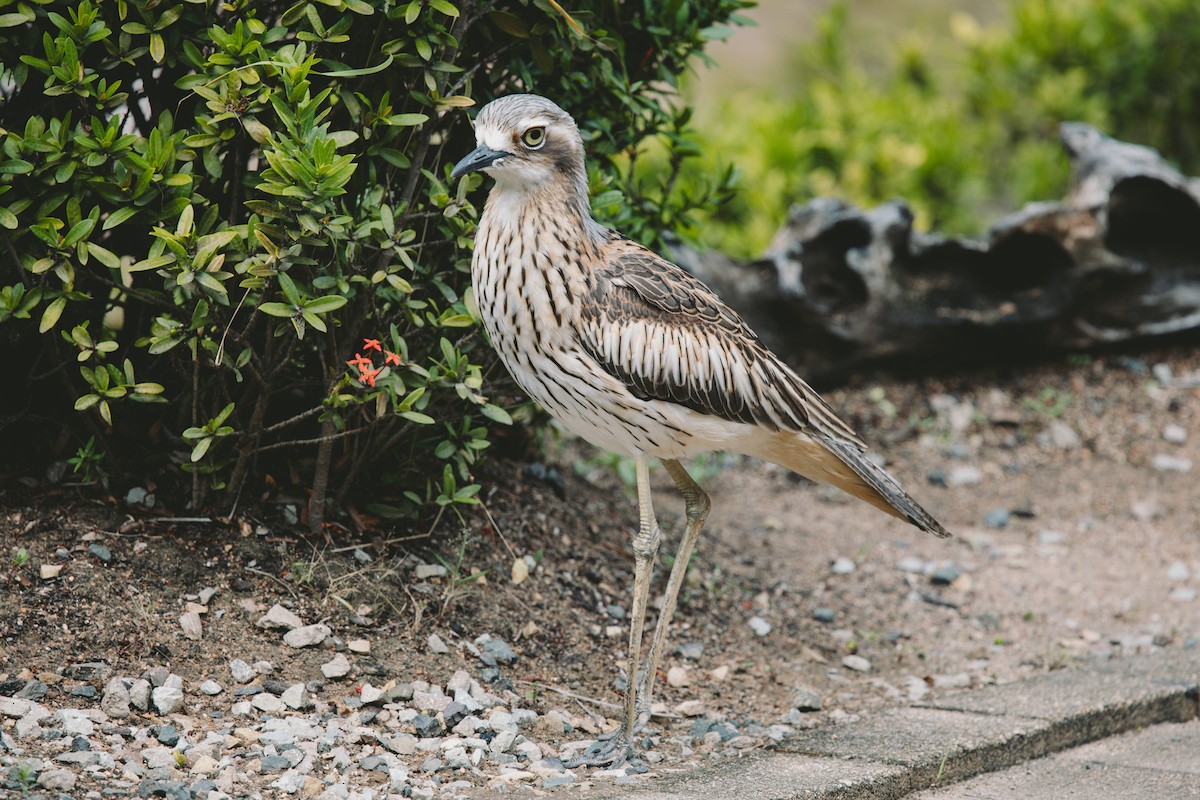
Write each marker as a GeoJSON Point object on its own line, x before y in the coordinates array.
{"type": "Point", "coordinates": [534, 137]}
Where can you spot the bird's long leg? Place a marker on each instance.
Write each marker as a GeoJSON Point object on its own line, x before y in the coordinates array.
{"type": "Point", "coordinates": [697, 505]}
{"type": "Point", "coordinates": [616, 747]}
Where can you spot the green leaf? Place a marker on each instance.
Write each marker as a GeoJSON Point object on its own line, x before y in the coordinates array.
{"type": "Point", "coordinates": [201, 448]}
{"type": "Point", "coordinates": [418, 417]}
{"type": "Point", "coordinates": [496, 414]}
{"type": "Point", "coordinates": [154, 262]}
{"type": "Point", "coordinates": [444, 7]}
{"type": "Point", "coordinates": [323, 305]}
{"type": "Point", "coordinates": [277, 309]}
{"type": "Point", "coordinates": [406, 120]}
{"type": "Point", "coordinates": [510, 24]}
{"type": "Point", "coordinates": [354, 73]}
{"type": "Point", "coordinates": [8, 219]}
{"type": "Point", "coordinates": [117, 217]}
{"type": "Point", "coordinates": [51, 314]}
{"type": "Point", "coordinates": [105, 256]}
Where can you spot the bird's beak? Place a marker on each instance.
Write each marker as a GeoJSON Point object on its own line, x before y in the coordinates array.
{"type": "Point", "coordinates": [479, 158]}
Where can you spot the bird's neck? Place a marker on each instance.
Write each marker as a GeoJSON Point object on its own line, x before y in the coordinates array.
{"type": "Point", "coordinates": [562, 205]}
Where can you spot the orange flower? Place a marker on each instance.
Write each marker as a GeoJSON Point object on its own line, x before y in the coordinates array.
{"type": "Point", "coordinates": [371, 344]}
{"type": "Point", "coordinates": [368, 376]}
{"type": "Point", "coordinates": [359, 361]}
{"type": "Point", "coordinates": [390, 358]}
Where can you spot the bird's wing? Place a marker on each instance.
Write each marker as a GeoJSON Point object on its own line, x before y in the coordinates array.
{"type": "Point", "coordinates": [669, 337]}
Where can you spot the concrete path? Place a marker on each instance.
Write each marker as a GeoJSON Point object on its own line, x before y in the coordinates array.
{"type": "Point", "coordinates": [1127, 728]}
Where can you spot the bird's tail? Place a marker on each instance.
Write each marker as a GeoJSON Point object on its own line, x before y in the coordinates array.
{"type": "Point", "coordinates": [844, 465]}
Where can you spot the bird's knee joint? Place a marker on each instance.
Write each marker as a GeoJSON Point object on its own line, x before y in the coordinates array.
{"type": "Point", "coordinates": [645, 544]}
{"type": "Point", "coordinates": [698, 506]}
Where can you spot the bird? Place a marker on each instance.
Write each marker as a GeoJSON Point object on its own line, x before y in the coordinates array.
{"type": "Point", "coordinates": [638, 357]}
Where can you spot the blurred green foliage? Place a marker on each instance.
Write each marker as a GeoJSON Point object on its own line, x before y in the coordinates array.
{"type": "Point", "coordinates": [964, 135]}
{"type": "Point", "coordinates": [208, 209]}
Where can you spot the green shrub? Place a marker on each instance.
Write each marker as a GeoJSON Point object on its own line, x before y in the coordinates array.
{"type": "Point", "coordinates": [962, 137]}
{"type": "Point", "coordinates": [209, 211]}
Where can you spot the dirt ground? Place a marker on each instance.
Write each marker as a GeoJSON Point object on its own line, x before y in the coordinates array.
{"type": "Point", "coordinates": [1075, 527]}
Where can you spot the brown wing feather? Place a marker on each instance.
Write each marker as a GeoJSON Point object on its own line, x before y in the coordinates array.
{"type": "Point", "coordinates": [667, 336]}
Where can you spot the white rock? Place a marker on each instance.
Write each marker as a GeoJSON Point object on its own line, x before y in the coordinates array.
{"type": "Point", "coordinates": [436, 645]}
{"type": "Point", "coordinates": [336, 667]}
{"type": "Point", "coordinates": [189, 621]}
{"type": "Point", "coordinates": [1178, 571]}
{"type": "Point", "coordinates": [360, 646]}
{"type": "Point", "coordinates": [1165, 463]}
{"type": "Point", "coordinates": [964, 475]}
{"type": "Point", "coordinates": [115, 701]}
{"type": "Point", "coordinates": [73, 722]}
{"type": "Point", "coordinates": [139, 694]}
{"type": "Point", "coordinates": [211, 687]}
{"type": "Point", "coordinates": [1064, 436]}
{"type": "Point", "coordinates": [760, 625]}
{"type": "Point", "coordinates": [520, 571]}
{"type": "Point", "coordinates": [426, 571]}
{"type": "Point", "coordinates": [307, 636]}
{"type": "Point", "coordinates": [265, 701]}
{"type": "Point", "coordinates": [370, 694]}
{"type": "Point", "coordinates": [49, 571]}
{"type": "Point", "coordinates": [207, 594]}
{"type": "Point", "coordinates": [15, 707]}
{"type": "Point", "coordinates": [678, 676]}
{"type": "Point", "coordinates": [57, 780]}
{"type": "Point", "coordinates": [720, 673]}
{"type": "Point", "coordinates": [205, 765]}
{"type": "Point", "coordinates": [241, 671]}
{"type": "Point", "coordinates": [167, 699]}
{"type": "Point", "coordinates": [296, 697]}
{"type": "Point", "coordinates": [856, 663]}
{"type": "Point", "coordinates": [911, 564]}
{"type": "Point", "coordinates": [842, 566]}
{"type": "Point", "coordinates": [159, 757]}
{"type": "Point", "coordinates": [690, 708]}
{"type": "Point", "coordinates": [279, 618]}
{"type": "Point", "coordinates": [31, 723]}
{"type": "Point", "coordinates": [1174, 434]}
{"type": "Point", "coordinates": [402, 744]}
{"type": "Point", "coordinates": [1183, 594]}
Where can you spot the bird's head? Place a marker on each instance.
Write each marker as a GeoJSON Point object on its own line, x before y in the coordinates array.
{"type": "Point", "coordinates": [526, 142]}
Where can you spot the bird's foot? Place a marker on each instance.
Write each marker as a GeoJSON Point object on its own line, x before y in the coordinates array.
{"type": "Point", "coordinates": [612, 750]}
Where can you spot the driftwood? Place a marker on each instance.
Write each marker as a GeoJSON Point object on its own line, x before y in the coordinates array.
{"type": "Point", "coordinates": [1118, 261]}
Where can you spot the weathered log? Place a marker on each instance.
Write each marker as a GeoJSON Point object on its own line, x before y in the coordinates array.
{"type": "Point", "coordinates": [841, 287]}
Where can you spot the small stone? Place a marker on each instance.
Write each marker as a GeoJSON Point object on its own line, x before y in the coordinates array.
{"type": "Point", "coordinates": [157, 675]}
{"type": "Point", "coordinates": [759, 625]}
{"type": "Point", "coordinates": [964, 475]}
{"type": "Point", "coordinates": [824, 614]}
{"type": "Point", "coordinates": [241, 671]}
{"type": "Point", "coordinates": [436, 645]}
{"type": "Point", "coordinates": [945, 575]}
{"type": "Point", "coordinates": [690, 650]}
{"type": "Point", "coordinates": [1178, 571]}
{"type": "Point", "coordinates": [57, 780]}
{"type": "Point", "coordinates": [499, 651]}
{"type": "Point", "coordinates": [274, 763]}
{"type": "Point", "coordinates": [806, 699]}
{"type": "Point", "coordinates": [139, 694]}
{"type": "Point", "coordinates": [720, 673]}
{"type": "Point", "coordinates": [205, 765]}
{"type": "Point", "coordinates": [265, 701]}
{"type": "Point", "coordinates": [553, 781]}
{"type": "Point", "coordinates": [1183, 594]}
{"type": "Point", "coordinates": [336, 667]}
{"type": "Point", "coordinates": [856, 663]}
{"type": "Point", "coordinates": [307, 636]}
{"type": "Point", "coordinates": [207, 594]}
{"type": "Point", "coordinates": [210, 687]}
{"type": "Point", "coordinates": [296, 697]}
{"type": "Point", "coordinates": [360, 646]}
{"type": "Point", "coordinates": [49, 571]}
{"type": "Point", "coordinates": [167, 734]}
{"type": "Point", "coordinates": [1051, 537]}
{"type": "Point", "coordinates": [402, 744]}
{"type": "Point", "coordinates": [279, 618]}
{"type": "Point", "coordinates": [996, 518]}
{"type": "Point", "coordinates": [1063, 436]}
{"type": "Point", "coordinates": [370, 694]}
{"type": "Point", "coordinates": [115, 701]}
{"type": "Point", "coordinates": [520, 571]}
{"type": "Point", "coordinates": [167, 699]}
{"type": "Point", "coordinates": [843, 565]}
{"type": "Point", "coordinates": [427, 571]}
{"type": "Point", "coordinates": [1174, 434]}
{"type": "Point", "coordinates": [911, 564]}
{"type": "Point", "coordinates": [190, 623]}
{"type": "Point", "coordinates": [1166, 463]}
{"type": "Point", "coordinates": [101, 552]}
{"type": "Point", "coordinates": [936, 477]}
{"type": "Point", "coordinates": [678, 676]}
{"type": "Point", "coordinates": [362, 556]}
{"type": "Point", "coordinates": [690, 708]}
{"type": "Point", "coordinates": [1147, 509]}
{"type": "Point", "coordinates": [427, 726]}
